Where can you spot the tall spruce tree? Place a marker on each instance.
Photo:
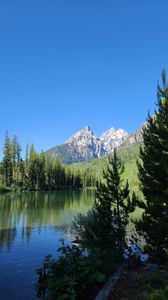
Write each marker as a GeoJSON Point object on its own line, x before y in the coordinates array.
{"type": "Point", "coordinates": [14, 150]}
{"type": "Point", "coordinates": [153, 175]}
{"type": "Point", "coordinates": [16, 158]}
{"type": "Point", "coordinates": [32, 168]}
{"type": "Point", "coordinates": [40, 169]}
{"type": "Point", "coordinates": [7, 162]}
{"type": "Point", "coordinates": [104, 227]}
{"type": "Point", "coordinates": [26, 182]}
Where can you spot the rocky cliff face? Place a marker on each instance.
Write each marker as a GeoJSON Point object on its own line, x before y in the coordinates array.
{"type": "Point", "coordinates": [87, 144]}
{"type": "Point", "coordinates": [113, 138]}
{"type": "Point", "coordinates": [84, 145]}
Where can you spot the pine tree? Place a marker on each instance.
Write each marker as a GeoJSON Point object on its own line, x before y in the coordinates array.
{"type": "Point", "coordinates": [40, 169]}
{"type": "Point", "coordinates": [7, 162]}
{"type": "Point", "coordinates": [14, 150]}
{"type": "Point", "coordinates": [104, 226]}
{"type": "Point", "coordinates": [48, 172]}
{"type": "Point", "coordinates": [68, 177]}
{"type": "Point", "coordinates": [58, 174]}
{"type": "Point", "coordinates": [26, 181]}
{"type": "Point", "coordinates": [153, 175]}
{"type": "Point", "coordinates": [16, 159]}
{"type": "Point", "coordinates": [32, 168]}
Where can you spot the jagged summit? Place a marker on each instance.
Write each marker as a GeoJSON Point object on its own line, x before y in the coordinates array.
{"type": "Point", "coordinates": [88, 128]}
{"type": "Point", "coordinates": [85, 144]}
{"type": "Point", "coordinates": [84, 133]}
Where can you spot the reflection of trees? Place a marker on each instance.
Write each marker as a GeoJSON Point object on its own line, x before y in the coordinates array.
{"type": "Point", "coordinates": [7, 237]}
{"type": "Point", "coordinates": [38, 209]}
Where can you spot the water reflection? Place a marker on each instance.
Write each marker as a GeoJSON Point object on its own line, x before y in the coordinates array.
{"type": "Point", "coordinates": [25, 211]}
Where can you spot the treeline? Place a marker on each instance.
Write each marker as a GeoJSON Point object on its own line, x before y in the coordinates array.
{"type": "Point", "coordinates": [37, 171]}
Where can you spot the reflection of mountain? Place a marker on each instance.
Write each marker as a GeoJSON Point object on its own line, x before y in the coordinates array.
{"type": "Point", "coordinates": [36, 210]}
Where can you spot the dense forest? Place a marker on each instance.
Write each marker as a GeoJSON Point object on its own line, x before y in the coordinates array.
{"type": "Point", "coordinates": [37, 171]}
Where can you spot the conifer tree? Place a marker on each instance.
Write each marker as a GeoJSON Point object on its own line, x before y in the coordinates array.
{"type": "Point", "coordinates": [18, 152]}
{"type": "Point", "coordinates": [32, 168]}
{"type": "Point", "coordinates": [16, 158]}
{"type": "Point", "coordinates": [48, 171]}
{"type": "Point", "coordinates": [14, 150]}
{"type": "Point", "coordinates": [153, 175]}
{"type": "Point", "coordinates": [26, 181]}
{"type": "Point", "coordinates": [104, 226]}
{"type": "Point", "coordinates": [7, 162]}
{"type": "Point", "coordinates": [57, 173]}
{"type": "Point", "coordinates": [40, 169]}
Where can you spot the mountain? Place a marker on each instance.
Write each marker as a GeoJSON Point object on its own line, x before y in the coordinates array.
{"type": "Point", "coordinates": [128, 152]}
{"type": "Point", "coordinates": [113, 138]}
{"type": "Point", "coordinates": [85, 146]}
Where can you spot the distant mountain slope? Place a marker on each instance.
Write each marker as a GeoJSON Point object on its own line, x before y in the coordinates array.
{"type": "Point", "coordinates": [135, 137]}
{"type": "Point", "coordinates": [66, 152]}
{"type": "Point", "coordinates": [85, 146]}
{"type": "Point", "coordinates": [129, 154]}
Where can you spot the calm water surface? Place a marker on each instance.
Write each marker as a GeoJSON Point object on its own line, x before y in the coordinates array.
{"type": "Point", "coordinates": [31, 225]}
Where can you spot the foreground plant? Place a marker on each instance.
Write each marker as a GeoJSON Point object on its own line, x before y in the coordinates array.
{"type": "Point", "coordinates": [68, 277]}
{"type": "Point", "coordinates": [103, 229]}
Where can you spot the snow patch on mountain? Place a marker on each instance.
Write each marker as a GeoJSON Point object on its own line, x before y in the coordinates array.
{"type": "Point", "coordinates": [113, 138]}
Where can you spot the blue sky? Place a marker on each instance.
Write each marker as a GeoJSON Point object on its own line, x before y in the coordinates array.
{"type": "Point", "coordinates": [68, 64]}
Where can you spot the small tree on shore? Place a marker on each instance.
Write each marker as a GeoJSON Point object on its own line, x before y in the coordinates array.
{"type": "Point", "coordinates": [103, 229]}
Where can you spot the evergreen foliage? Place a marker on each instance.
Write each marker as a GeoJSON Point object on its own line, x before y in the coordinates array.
{"type": "Point", "coordinates": [7, 162]}
{"type": "Point", "coordinates": [153, 175]}
{"type": "Point", "coordinates": [103, 228]}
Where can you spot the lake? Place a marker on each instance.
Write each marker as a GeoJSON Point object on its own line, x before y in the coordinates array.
{"type": "Point", "coordinates": [31, 225]}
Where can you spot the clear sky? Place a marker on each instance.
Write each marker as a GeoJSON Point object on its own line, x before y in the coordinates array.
{"type": "Point", "coordinates": [68, 64]}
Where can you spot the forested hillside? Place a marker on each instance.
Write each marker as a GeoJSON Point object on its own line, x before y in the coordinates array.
{"type": "Point", "coordinates": [129, 155]}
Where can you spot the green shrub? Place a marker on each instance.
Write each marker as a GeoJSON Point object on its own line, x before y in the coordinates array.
{"type": "Point", "coordinates": [69, 276]}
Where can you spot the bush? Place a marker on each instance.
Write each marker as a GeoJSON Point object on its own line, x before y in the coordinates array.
{"type": "Point", "coordinates": [69, 276]}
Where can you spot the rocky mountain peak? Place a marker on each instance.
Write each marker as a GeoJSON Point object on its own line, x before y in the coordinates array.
{"type": "Point", "coordinates": [113, 138]}
{"type": "Point", "coordinates": [82, 135]}
{"type": "Point", "coordinates": [85, 145]}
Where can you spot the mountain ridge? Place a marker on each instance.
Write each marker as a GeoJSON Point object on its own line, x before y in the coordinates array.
{"type": "Point", "coordinates": [84, 145]}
